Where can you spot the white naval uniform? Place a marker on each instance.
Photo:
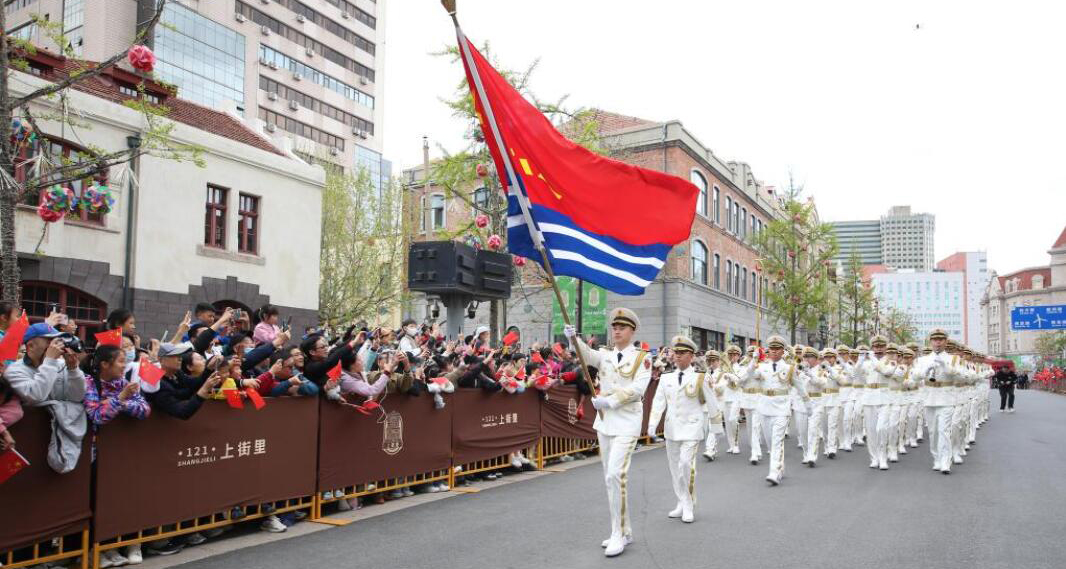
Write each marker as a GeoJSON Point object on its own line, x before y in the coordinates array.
{"type": "Point", "coordinates": [714, 422]}
{"type": "Point", "coordinates": [801, 406]}
{"type": "Point", "coordinates": [858, 392]}
{"type": "Point", "coordinates": [730, 384]}
{"type": "Point", "coordinates": [775, 407]}
{"type": "Point", "coordinates": [911, 411]}
{"type": "Point", "coordinates": [937, 376]}
{"type": "Point", "coordinates": [686, 423]}
{"type": "Point", "coordinates": [749, 396]}
{"type": "Point", "coordinates": [845, 371]}
{"type": "Point", "coordinates": [833, 407]}
{"type": "Point", "coordinates": [894, 408]}
{"type": "Point", "coordinates": [623, 376]}
{"type": "Point", "coordinates": [815, 383]}
{"type": "Point", "coordinates": [963, 378]}
{"type": "Point", "coordinates": [875, 372]}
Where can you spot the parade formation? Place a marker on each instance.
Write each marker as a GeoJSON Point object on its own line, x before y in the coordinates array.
{"type": "Point", "coordinates": [883, 397]}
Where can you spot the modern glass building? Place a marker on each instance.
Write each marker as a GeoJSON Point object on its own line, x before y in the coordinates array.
{"type": "Point", "coordinates": [202, 57]}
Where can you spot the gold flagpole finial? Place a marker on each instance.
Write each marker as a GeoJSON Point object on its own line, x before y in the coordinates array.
{"type": "Point", "coordinates": [449, 5]}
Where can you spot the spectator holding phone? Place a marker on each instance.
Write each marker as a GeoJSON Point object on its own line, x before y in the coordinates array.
{"type": "Point", "coordinates": [284, 376]}
{"type": "Point", "coordinates": [107, 393]}
{"type": "Point", "coordinates": [319, 359]}
{"type": "Point", "coordinates": [180, 395]}
{"type": "Point", "coordinates": [122, 318]}
{"type": "Point", "coordinates": [267, 327]}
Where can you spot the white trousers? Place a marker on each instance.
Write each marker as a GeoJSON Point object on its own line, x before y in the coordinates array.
{"type": "Point", "coordinates": [615, 454]}
{"type": "Point", "coordinates": [754, 432]}
{"type": "Point", "coordinates": [891, 442]}
{"type": "Point", "coordinates": [958, 429]}
{"type": "Point", "coordinates": [974, 420]}
{"type": "Point", "coordinates": [859, 428]}
{"type": "Point", "coordinates": [815, 428]}
{"type": "Point", "coordinates": [921, 421]}
{"type": "Point", "coordinates": [938, 420]}
{"type": "Point", "coordinates": [775, 428]}
{"type": "Point", "coordinates": [876, 424]}
{"type": "Point", "coordinates": [800, 420]}
{"type": "Point", "coordinates": [849, 424]}
{"type": "Point", "coordinates": [711, 442]}
{"type": "Point", "coordinates": [834, 435]}
{"type": "Point", "coordinates": [732, 424]}
{"type": "Point", "coordinates": [681, 455]}
{"type": "Point", "coordinates": [910, 434]}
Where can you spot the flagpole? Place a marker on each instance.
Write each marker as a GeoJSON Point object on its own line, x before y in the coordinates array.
{"type": "Point", "coordinates": [534, 231]}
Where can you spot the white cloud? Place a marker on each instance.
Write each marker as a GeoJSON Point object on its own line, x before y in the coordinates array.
{"type": "Point", "coordinates": [955, 108]}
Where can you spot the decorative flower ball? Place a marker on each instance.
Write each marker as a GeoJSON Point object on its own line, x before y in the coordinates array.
{"type": "Point", "coordinates": [141, 58]}
{"type": "Point", "coordinates": [519, 261]}
{"type": "Point", "coordinates": [495, 242]}
{"type": "Point", "coordinates": [59, 199]}
{"type": "Point", "coordinates": [791, 254]}
{"type": "Point", "coordinates": [19, 130]}
{"type": "Point", "coordinates": [48, 215]}
{"type": "Point", "coordinates": [798, 218]}
{"type": "Point", "coordinates": [482, 171]}
{"type": "Point", "coordinates": [780, 274]}
{"type": "Point", "coordinates": [481, 220]}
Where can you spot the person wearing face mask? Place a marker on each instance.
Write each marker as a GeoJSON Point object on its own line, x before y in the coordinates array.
{"type": "Point", "coordinates": [409, 341]}
{"type": "Point", "coordinates": [240, 344]}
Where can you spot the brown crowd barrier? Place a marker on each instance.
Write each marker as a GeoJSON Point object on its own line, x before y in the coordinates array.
{"type": "Point", "coordinates": [487, 427]}
{"type": "Point", "coordinates": [649, 396]}
{"type": "Point", "coordinates": [359, 454]}
{"type": "Point", "coordinates": [562, 433]}
{"type": "Point", "coordinates": [163, 476]}
{"type": "Point", "coordinates": [45, 514]}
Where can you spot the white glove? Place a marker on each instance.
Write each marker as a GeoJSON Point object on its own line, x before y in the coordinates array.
{"type": "Point", "coordinates": [569, 331]}
{"type": "Point", "coordinates": [600, 403]}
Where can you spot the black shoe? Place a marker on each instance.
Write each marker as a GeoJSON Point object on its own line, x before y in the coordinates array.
{"type": "Point", "coordinates": [267, 509]}
{"type": "Point", "coordinates": [169, 549]}
{"type": "Point", "coordinates": [528, 466]}
{"type": "Point", "coordinates": [832, 455]}
{"type": "Point", "coordinates": [236, 513]}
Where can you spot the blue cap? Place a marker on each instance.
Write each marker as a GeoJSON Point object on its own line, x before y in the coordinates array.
{"type": "Point", "coordinates": [39, 330]}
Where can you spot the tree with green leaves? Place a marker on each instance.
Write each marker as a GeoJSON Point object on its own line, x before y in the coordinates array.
{"type": "Point", "coordinates": [898, 326]}
{"type": "Point", "coordinates": [1051, 347]}
{"type": "Point", "coordinates": [470, 175]}
{"type": "Point", "coordinates": [856, 303]}
{"type": "Point", "coordinates": [29, 117]}
{"type": "Point", "coordinates": [365, 235]}
{"type": "Point", "coordinates": [795, 252]}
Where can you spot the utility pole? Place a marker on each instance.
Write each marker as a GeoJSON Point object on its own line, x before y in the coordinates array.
{"type": "Point", "coordinates": [427, 210]}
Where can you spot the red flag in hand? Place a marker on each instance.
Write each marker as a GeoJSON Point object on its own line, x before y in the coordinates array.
{"type": "Point", "coordinates": [233, 397]}
{"type": "Point", "coordinates": [535, 358]}
{"type": "Point", "coordinates": [147, 371]}
{"type": "Point", "coordinates": [510, 338]}
{"type": "Point", "coordinates": [9, 346]}
{"type": "Point", "coordinates": [762, 354]}
{"type": "Point", "coordinates": [558, 349]}
{"type": "Point", "coordinates": [334, 372]}
{"type": "Point", "coordinates": [109, 338]}
{"type": "Point", "coordinates": [10, 463]}
{"type": "Point", "coordinates": [257, 399]}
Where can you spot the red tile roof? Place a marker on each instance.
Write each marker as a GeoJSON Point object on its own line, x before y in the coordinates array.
{"type": "Point", "coordinates": [1061, 241]}
{"type": "Point", "coordinates": [181, 110]}
{"type": "Point", "coordinates": [611, 122]}
{"type": "Point", "coordinates": [1025, 278]}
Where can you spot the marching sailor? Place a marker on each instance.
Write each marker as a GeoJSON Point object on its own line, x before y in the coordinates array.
{"type": "Point", "coordinates": [845, 369]}
{"type": "Point", "coordinates": [624, 373]}
{"type": "Point", "coordinates": [815, 383]}
{"type": "Point", "coordinates": [775, 377]}
{"type": "Point", "coordinates": [831, 401]}
{"type": "Point", "coordinates": [935, 371]}
{"type": "Point", "coordinates": [726, 378]}
{"type": "Point", "coordinates": [750, 391]}
{"type": "Point", "coordinates": [687, 397]}
{"type": "Point", "coordinates": [714, 421]}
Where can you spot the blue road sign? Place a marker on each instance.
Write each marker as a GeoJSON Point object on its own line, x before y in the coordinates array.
{"type": "Point", "coordinates": [1038, 318]}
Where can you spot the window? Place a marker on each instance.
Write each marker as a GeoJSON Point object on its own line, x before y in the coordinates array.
{"type": "Point", "coordinates": [754, 233]}
{"type": "Point", "coordinates": [300, 129]}
{"type": "Point", "coordinates": [289, 94]}
{"type": "Point", "coordinates": [86, 311]}
{"type": "Point", "coordinates": [203, 58]}
{"type": "Point", "coordinates": [436, 204]}
{"type": "Point", "coordinates": [763, 297]}
{"type": "Point", "coordinates": [744, 284]}
{"type": "Point", "coordinates": [701, 183]}
{"type": "Point", "coordinates": [738, 226]}
{"type": "Point", "coordinates": [481, 198]}
{"type": "Point", "coordinates": [699, 262]}
{"type": "Point", "coordinates": [717, 205]}
{"type": "Point", "coordinates": [215, 217]}
{"type": "Point", "coordinates": [729, 277]}
{"type": "Point", "coordinates": [304, 40]}
{"type": "Point", "coordinates": [729, 214]}
{"type": "Point", "coordinates": [736, 281]}
{"type": "Point", "coordinates": [754, 284]}
{"type": "Point", "coordinates": [282, 61]}
{"type": "Point", "coordinates": [248, 227]}
{"type": "Point", "coordinates": [741, 223]}
{"type": "Point", "coordinates": [716, 268]}
{"type": "Point", "coordinates": [57, 154]}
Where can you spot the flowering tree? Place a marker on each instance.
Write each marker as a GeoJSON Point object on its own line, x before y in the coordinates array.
{"type": "Point", "coordinates": [21, 128]}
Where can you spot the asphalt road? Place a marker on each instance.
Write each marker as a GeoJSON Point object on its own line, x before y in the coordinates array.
{"type": "Point", "coordinates": [1003, 508]}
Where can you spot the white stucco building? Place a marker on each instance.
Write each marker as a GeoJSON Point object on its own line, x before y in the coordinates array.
{"type": "Point", "coordinates": [932, 299]}
{"type": "Point", "coordinates": [242, 230]}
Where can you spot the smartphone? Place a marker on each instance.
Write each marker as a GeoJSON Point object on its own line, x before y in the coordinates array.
{"type": "Point", "coordinates": [288, 323]}
{"type": "Point", "coordinates": [237, 314]}
{"type": "Point", "coordinates": [54, 307]}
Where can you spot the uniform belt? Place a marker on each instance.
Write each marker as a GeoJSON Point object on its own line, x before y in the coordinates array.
{"type": "Point", "coordinates": [815, 394]}
{"type": "Point", "coordinates": [858, 386]}
{"type": "Point", "coordinates": [874, 385]}
{"type": "Point", "coordinates": [831, 391]}
{"type": "Point", "coordinates": [775, 392]}
{"type": "Point", "coordinates": [752, 390]}
{"type": "Point", "coordinates": [896, 388]}
{"type": "Point", "coordinates": [910, 389]}
{"type": "Point", "coordinates": [940, 384]}
{"type": "Point", "coordinates": [845, 385]}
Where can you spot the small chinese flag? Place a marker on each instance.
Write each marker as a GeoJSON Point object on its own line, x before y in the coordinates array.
{"type": "Point", "coordinates": [9, 346]}
{"type": "Point", "coordinates": [148, 372]}
{"type": "Point", "coordinates": [510, 338]}
{"type": "Point", "coordinates": [233, 397]}
{"type": "Point", "coordinates": [10, 463]}
{"type": "Point", "coordinates": [644, 346]}
{"type": "Point", "coordinates": [257, 399]}
{"type": "Point", "coordinates": [558, 348]}
{"type": "Point", "coordinates": [109, 338]}
{"type": "Point", "coordinates": [535, 358]}
{"type": "Point", "coordinates": [335, 372]}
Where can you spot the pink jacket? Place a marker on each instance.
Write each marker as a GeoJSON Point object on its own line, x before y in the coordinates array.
{"type": "Point", "coordinates": [10, 413]}
{"type": "Point", "coordinates": [264, 333]}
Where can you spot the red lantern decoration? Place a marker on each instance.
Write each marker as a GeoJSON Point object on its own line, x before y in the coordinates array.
{"type": "Point", "coordinates": [482, 171]}
{"type": "Point", "coordinates": [48, 215]}
{"type": "Point", "coordinates": [481, 221]}
{"type": "Point", "coordinates": [141, 58]}
{"type": "Point", "coordinates": [495, 242]}
{"type": "Point", "coordinates": [519, 261]}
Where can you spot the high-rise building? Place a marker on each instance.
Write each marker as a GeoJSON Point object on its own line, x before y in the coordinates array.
{"type": "Point", "coordinates": [899, 240]}
{"type": "Point", "coordinates": [309, 71]}
{"type": "Point", "coordinates": [858, 237]}
{"type": "Point", "coordinates": [932, 299]}
{"type": "Point", "coordinates": [974, 266]}
{"type": "Point", "coordinates": [907, 239]}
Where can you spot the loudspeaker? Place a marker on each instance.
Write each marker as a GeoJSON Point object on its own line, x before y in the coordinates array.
{"type": "Point", "coordinates": [442, 267]}
{"type": "Point", "coordinates": [494, 274]}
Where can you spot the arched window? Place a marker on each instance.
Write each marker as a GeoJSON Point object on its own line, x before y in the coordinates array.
{"type": "Point", "coordinates": [729, 277]}
{"type": "Point", "coordinates": [701, 183]}
{"type": "Point", "coordinates": [715, 270]}
{"type": "Point", "coordinates": [58, 153]}
{"type": "Point", "coordinates": [699, 262]}
{"type": "Point", "coordinates": [39, 298]}
{"type": "Point", "coordinates": [481, 199]}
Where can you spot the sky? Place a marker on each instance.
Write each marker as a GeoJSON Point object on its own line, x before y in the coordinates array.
{"type": "Point", "coordinates": [955, 108]}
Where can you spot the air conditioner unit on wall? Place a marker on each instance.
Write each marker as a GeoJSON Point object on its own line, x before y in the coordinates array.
{"type": "Point", "coordinates": [334, 151]}
{"type": "Point", "coordinates": [361, 134]}
{"type": "Point", "coordinates": [345, 15]}
{"type": "Point", "coordinates": [264, 1]}
{"type": "Point", "coordinates": [296, 77]}
{"type": "Point", "coordinates": [240, 18]}
{"type": "Point", "coordinates": [272, 96]}
{"type": "Point", "coordinates": [363, 80]}
{"type": "Point", "coordinates": [273, 65]}
{"type": "Point", "coordinates": [310, 52]}
{"type": "Point", "coordinates": [294, 105]}
{"type": "Point", "coordinates": [264, 30]}
{"type": "Point", "coordinates": [271, 127]}
{"type": "Point", "coordinates": [300, 18]}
